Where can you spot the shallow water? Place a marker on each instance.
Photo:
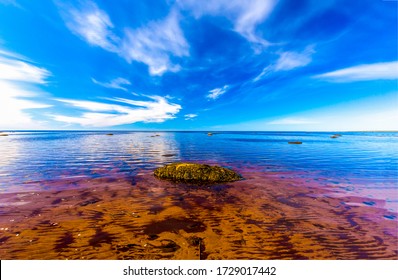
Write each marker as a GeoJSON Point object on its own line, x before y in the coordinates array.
{"type": "Point", "coordinates": [91, 195]}
{"type": "Point", "coordinates": [363, 163]}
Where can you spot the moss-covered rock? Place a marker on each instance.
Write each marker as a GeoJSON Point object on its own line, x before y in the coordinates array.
{"type": "Point", "coordinates": [198, 173]}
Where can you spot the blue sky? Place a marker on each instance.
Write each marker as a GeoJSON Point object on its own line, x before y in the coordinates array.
{"type": "Point", "coordinates": [199, 65]}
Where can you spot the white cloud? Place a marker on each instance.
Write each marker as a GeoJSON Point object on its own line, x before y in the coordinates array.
{"type": "Point", "coordinates": [132, 111]}
{"type": "Point", "coordinates": [267, 70]}
{"type": "Point", "coordinates": [91, 24]}
{"type": "Point", "coordinates": [155, 43]}
{"type": "Point", "coordinates": [364, 72]}
{"type": "Point", "coordinates": [190, 116]}
{"type": "Point", "coordinates": [217, 92]}
{"type": "Point", "coordinates": [13, 69]}
{"type": "Point", "coordinates": [288, 61]}
{"type": "Point", "coordinates": [291, 60]}
{"type": "Point", "coordinates": [245, 15]}
{"type": "Point", "coordinates": [17, 89]}
{"type": "Point", "coordinates": [117, 83]}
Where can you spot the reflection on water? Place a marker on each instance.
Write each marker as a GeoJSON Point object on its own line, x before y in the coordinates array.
{"type": "Point", "coordinates": [9, 151]}
{"type": "Point", "coordinates": [37, 156]}
{"type": "Point", "coordinates": [66, 155]}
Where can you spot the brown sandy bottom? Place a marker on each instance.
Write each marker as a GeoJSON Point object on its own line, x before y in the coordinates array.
{"type": "Point", "coordinates": [265, 216]}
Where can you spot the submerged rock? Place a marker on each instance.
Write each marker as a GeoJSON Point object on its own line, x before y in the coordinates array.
{"type": "Point", "coordinates": [194, 172]}
{"type": "Point", "coordinates": [295, 142]}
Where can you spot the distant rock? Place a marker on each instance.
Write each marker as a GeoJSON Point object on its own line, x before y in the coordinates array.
{"type": "Point", "coordinates": [169, 155]}
{"type": "Point", "coordinates": [109, 134]}
{"type": "Point", "coordinates": [196, 173]}
{"type": "Point", "coordinates": [335, 136]}
{"type": "Point", "coordinates": [209, 134]}
{"type": "Point", "coordinates": [3, 134]}
{"type": "Point", "coordinates": [295, 142]}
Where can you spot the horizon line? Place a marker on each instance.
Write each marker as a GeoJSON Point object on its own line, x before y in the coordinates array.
{"type": "Point", "coordinates": [187, 130]}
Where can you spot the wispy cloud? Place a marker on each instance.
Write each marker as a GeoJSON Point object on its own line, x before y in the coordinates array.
{"type": "Point", "coordinates": [364, 72]}
{"type": "Point", "coordinates": [190, 116]}
{"type": "Point", "coordinates": [90, 23]}
{"type": "Point", "coordinates": [292, 121]}
{"type": "Point", "coordinates": [155, 43]}
{"type": "Point", "coordinates": [13, 69]}
{"type": "Point", "coordinates": [99, 114]}
{"type": "Point", "coordinates": [292, 60]}
{"type": "Point", "coordinates": [18, 91]}
{"type": "Point", "coordinates": [288, 60]}
{"type": "Point", "coordinates": [117, 83]}
{"type": "Point", "coordinates": [245, 15]}
{"type": "Point", "coordinates": [217, 92]}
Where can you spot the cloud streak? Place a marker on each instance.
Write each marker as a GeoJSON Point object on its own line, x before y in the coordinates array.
{"type": "Point", "coordinates": [18, 80]}
{"type": "Point", "coordinates": [287, 61]}
{"type": "Point", "coordinates": [100, 114]}
{"type": "Point", "coordinates": [217, 92]}
{"type": "Point", "coordinates": [117, 83]}
{"type": "Point", "coordinates": [364, 72]}
{"type": "Point", "coordinates": [91, 24]}
{"type": "Point", "coordinates": [190, 116]}
{"type": "Point", "coordinates": [245, 15]}
{"type": "Point", "coordinates": [291, 60]}
{"type": "Point", "coordinates": [155, 44]}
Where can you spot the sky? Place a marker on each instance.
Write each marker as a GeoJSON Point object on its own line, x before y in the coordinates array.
{"type": "Point", "coordinates": [263, 65]}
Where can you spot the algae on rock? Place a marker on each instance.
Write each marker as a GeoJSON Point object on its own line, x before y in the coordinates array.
{"type": "Point", "coordinates": [198, 173]}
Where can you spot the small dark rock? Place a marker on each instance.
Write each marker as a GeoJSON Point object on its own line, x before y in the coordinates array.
{"type": "Point", "coordinates": [295, 142]}
{"type": "Point", "coordinates": [335, 136]}
{"type": "Point", "coordinates": [3, 134]}
{"type": "Point", "coordinates": [209, 134]}
{"type": "Point", "coordinates": [169, 155]}
{"type": "Point", "coordinates": [109, 134]}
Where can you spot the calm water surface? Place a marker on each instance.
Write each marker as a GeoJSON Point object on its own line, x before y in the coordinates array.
{"type": "Point", "coordinates": [361, 162]}
{"type": "Point", "coordinates": [88, 195]}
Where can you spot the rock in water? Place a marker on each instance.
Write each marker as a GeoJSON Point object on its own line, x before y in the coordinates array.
{"type": "Point", "coordinates": [295, 142]}
{"type": "Point", "coordinates": [335, 136]}
{"type": "Point", "coordinates": [198, 173]}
